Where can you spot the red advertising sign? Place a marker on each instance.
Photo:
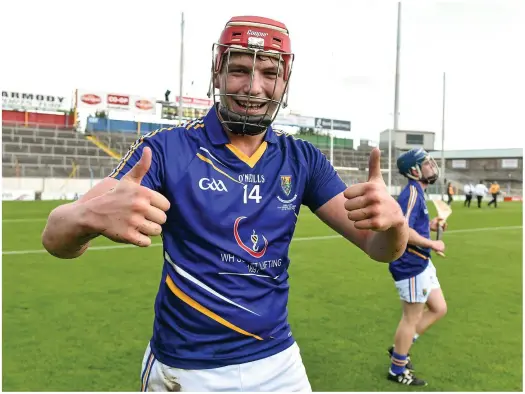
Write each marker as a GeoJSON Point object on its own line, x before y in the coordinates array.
{"type": "Point", "coordinates": [118, 101]}
{"type": "Point", "coordinates": [144, 105]}
{"type": "Point", "coordinates": [102, 101]}
{"type": "Point", "coordinates": [90, 99]}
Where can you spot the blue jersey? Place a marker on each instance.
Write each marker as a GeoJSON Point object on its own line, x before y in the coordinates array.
{"type": "Point", "coordinates": [223, 293]}
{"type": "Point", "coordinates": [415, 259]}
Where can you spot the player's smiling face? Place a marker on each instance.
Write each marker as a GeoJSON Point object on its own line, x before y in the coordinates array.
{"type": "Point", "coordinates": [266, 80]}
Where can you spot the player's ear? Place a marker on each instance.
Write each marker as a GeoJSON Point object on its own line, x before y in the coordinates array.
{"type": "Point", "coordinates": [216, 84]}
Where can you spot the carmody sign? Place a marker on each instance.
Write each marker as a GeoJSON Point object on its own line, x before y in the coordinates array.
{"type": "Point", "coordinates": [103, 101]}
{"type": "Point", "coordinates": [33, 101]}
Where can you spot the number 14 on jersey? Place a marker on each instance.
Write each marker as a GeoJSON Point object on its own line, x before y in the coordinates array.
{"type": "Point", "coordinates": [254, 194]}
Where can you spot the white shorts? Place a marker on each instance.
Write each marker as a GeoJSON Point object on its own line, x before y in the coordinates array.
{"type": "Point", "coordinates": [283, 371]}
{"type": "Point", "coordinates": [418, 288]}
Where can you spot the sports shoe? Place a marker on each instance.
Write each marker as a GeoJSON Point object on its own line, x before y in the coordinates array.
{"type": "Point", "coordinates": [406, 377]}
{"type": "Point", "coordinates": [409, 365]}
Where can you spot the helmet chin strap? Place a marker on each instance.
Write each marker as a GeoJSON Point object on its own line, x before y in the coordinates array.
{"type": "Point", "coordinates": [427, 181]}
{"type": "Point", "coordinates": [430, 180]}
{"type": "Point", "coordinates": [244, 124]}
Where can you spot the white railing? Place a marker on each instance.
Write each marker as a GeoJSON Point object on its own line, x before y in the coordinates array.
{"type": "Point", "coordinates": [25, 171]}
{"type": "Point", "coordinates": [37, 126]}
{"type": "Point", "coordinates": [47, 149]}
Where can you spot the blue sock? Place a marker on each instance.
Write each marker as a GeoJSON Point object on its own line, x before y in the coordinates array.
{"type": "Point", "coordinates": [398, 363]}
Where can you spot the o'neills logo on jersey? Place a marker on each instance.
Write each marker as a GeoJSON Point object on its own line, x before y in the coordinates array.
{"type": "Point", "coordinates": [251, 178]}
{"type": "Point", "coordinates": [254, 240]}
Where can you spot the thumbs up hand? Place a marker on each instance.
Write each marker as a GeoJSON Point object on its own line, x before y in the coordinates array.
{"type": "Point", "coordinates": [369, 204]}
{"type": "Point", "coordinates": [130, 212]}
{"type": "Point", "coordinates": [139, 170]}
{"type": "Point", "coordinates": [374, 167]}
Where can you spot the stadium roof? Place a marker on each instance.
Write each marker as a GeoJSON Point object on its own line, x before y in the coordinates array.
{"type": "Point", "coordinates": [480, 153]}
{"type": "Point", "coordinates": [409, 131]}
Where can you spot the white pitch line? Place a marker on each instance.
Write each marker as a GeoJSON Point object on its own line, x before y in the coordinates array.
{"type": "Point", "coordinates": [23, 220]}
{"type": "Point", "coordinates": [298, 239]}
{"type": "Point", "coordinates": [475, 230]}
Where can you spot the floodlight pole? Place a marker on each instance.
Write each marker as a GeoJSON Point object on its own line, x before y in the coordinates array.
{"type": "Point", "coordinates": [443, 143]}
{"type": "Point", "coordinates": [181, 67]}
{"type": "Point", "coordinates": [396, 98]}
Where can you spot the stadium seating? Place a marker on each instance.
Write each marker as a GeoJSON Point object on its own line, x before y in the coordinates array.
{"type": "Point", "coordinates": [118, 142]}
{"type": "Point", "coordinates": [510, 180]}
{"type": "Point", "coordinates": [41, 152]}
{"type": "Point", "coordinates": [38, 152]}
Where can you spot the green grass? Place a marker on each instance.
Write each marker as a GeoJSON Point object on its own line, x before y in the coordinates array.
{"type": "Point", "coordinates": [83, 325]}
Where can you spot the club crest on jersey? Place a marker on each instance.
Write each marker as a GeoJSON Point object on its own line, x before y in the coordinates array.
{"type": "Point", "coordinates": [254, 238]}
{"type": "Point", "coordinates": [286, 184]}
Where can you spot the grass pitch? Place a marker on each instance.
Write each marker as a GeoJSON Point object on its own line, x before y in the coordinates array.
{"type": "Point", "coordinates": [83, 325]}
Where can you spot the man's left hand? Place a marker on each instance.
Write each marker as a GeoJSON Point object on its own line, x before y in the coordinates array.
{"type": "Point", "coordinates": [434, 223]}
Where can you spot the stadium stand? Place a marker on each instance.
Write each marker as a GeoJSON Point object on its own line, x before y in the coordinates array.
{"type": "Point", "coordinates": [41, 152]}
{"type": "Point", "coordinates": [504, 166]}
{"type": "Point", "coordinates": [115, 141]}
{"type": "Point", "coordinates": [37, 151]}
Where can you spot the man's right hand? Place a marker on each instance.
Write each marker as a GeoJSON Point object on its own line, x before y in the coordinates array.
{"type": "Point", "coordinates": [438, 246]}
{"type": "Point", "coordinates": [129, 213]}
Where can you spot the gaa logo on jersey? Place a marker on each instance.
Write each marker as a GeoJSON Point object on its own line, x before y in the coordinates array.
{"type": "Point", "coordinates": [286, 184]}
{"type": "Point", "coordinates": [212, 184]}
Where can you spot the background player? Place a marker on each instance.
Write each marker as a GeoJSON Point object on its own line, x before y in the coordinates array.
{"type": "Point", "coordinates": [468, 189]}
{"type": "Point", "coordinates": [226, 191]}
{"type": "Point", "coordinates": [450, 193]}
{"type": "Point", "coordinates": [480, 190]}
{"type": "Point", "coordinates": [494, 191]}
{"type": "Point", "coordinates": [414, 274]}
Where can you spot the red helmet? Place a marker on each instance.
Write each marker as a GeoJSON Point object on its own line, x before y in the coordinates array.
{"type": "Point", "coordinates": [257, 36]}
{"type": "Point", "coordinates": [256, 32]}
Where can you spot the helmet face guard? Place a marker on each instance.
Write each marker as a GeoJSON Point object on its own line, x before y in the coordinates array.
{"type": "Point", "coordinates": [418, 165]}
{"type": "Point", "coordinates": [261, 39]}
{"type": "Point", "coordinates": [426, 178]}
